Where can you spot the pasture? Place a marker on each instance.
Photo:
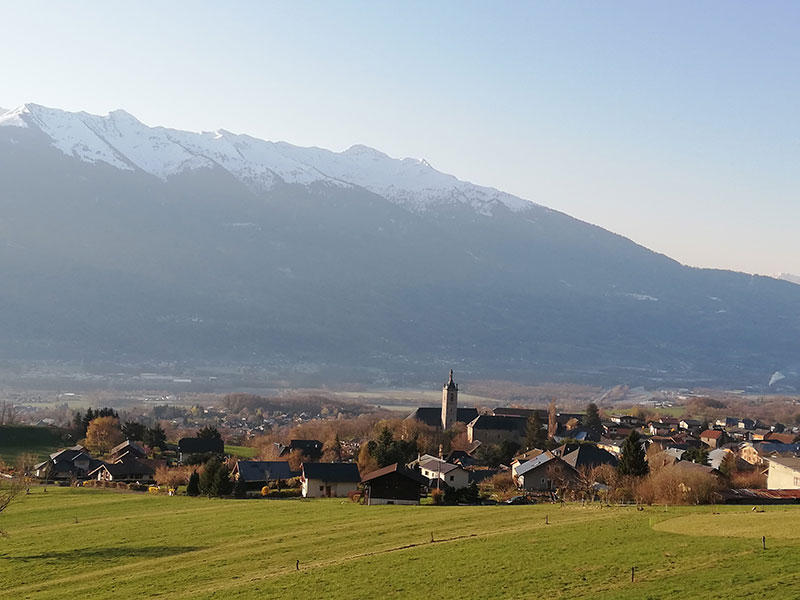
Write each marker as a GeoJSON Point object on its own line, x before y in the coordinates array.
{"type": "Point", "coordinates": [86, 543]}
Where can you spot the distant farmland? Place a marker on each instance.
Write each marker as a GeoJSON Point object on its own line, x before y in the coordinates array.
{"type": "Point", "coordinates": [123, 545]}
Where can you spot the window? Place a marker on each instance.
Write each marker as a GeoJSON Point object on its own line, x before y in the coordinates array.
{"type": "Point", "coordinates": [321, 488]}
{"type": "Point", "coordinates": [452, 477]}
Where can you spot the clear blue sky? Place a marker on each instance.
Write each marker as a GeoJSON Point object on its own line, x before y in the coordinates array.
{"type": "Point", "coordinates": [674, 124]}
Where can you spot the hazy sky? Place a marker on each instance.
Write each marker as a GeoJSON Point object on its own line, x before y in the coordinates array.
{"type": "Point", "coordinates": [674, 124]}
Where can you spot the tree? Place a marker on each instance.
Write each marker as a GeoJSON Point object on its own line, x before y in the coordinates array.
{"type": "Point", "coordinates": [332, 451]}
{"type": "Point", "coordinates": [697, 455]}
{"type": "Point", "coordinates": [592, 421]}
{"type": "Point", "coordinates": [155, 437]}
{"type": "Point", "coordinates": [552, 419]}
{"type": "Point", "coordinates": [208, 478]}
{"type": "Point", "coordinates": [193, 487]}
{"type": "Point", "coordinates": [535, 433]}
{"type": "Point", "coordinates": [240, 489]}
{"type": "Point", "coordinates": [133, 430]}
{"type": "Point", "coordinates": [727, 466]}
{"type": "Point", "coordinates": [102, 434]}
{"type": "Point", "coordinates": [632, 457]}
{"type": "Point", "coordinates": [209, 433]}
{"type": "Point", "coordinates": [8, 495]}
{"type": "Point", "coordinates": [387, 451]}
{"type": "Point", "coordinates": [222, 482]}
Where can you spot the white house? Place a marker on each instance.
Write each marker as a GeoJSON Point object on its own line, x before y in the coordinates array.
{"type": "Point", "coordinates": [453, 475]}
{"type": "Point", "coordinates": [783, 474]}
{"type": "Point", "coordinates": [329, 480]}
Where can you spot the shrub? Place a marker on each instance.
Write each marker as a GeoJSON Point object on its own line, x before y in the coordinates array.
{"type": "Point", "coordinates": [438, 497]}
{"type": "Point", "coordinates": [193, 487]}
{"type": "Point", "coordinates": [752, 480]}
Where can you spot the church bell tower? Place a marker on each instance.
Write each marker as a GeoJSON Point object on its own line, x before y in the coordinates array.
{"type": "Point", "coordinates": [449, 403]}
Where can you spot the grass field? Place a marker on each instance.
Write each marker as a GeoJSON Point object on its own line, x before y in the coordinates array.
{"type": "Point", "coordinates": [241, 451]}
{"type": "Point", "coordinates": [83, 543]}
{"type": "Point", "coordinates": [19, 439]}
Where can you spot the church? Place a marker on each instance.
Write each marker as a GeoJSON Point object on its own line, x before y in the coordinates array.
{"type": "Point", "coordinates": [448, 414]}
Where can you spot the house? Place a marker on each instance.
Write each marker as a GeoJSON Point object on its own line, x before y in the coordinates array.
{"type": "Point", "coordinates": [258, 473]}
{"type": "Point", "coordinates": [310, 448]}
{"type": "Point", "coordinates": [546, 472]}
{"type": "Point", "coordinates": [191, 446]}
{"type": "Point", "coordinates": [438, 471]}
{"type": "Point", "coordinates": [693, 425]}
{"type": "Point", "coordinates": [727, 422]}
{"type": "Point", "coordinates": [746, 423]}
{"type": "Point", "coordinates": [614, 446]}
{"type": "Point", "coordinates": [756, 453]}
{"type": "Point", "coordinates": [627, 420]}
{"type": "Point", "coordinates": [127, 447]}
{"type": "Point", "coordinates": [126, 471]}
{"type": "Point", "coordinates": [329, 480]}
{"type": "Point", "coordinates": [713, 438]}
{"type": "Point", "coordinates": [783, 438]}
{"type": "Point", "coordinates": [589, 456]}
{"type": "Point", "coordinates": [395, 484]}
{"type": "Point", "coordinates": [783, 474]}
{"type": "Point", "coordinates": [495, 429]}
{"type": "Point", "coordinates": [67, 464]}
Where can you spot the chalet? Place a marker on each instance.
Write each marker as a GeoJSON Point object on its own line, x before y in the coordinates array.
{"type": "Point", "coordinates": [544, 473]}
{"type": "Point", "coordinates": [394, 484]}
{"type": "Point", "coordinates": [67, 464]}
{"type": "Point", "coordinates": [713, 438]}
{"type": "Point", "coordinates": [192, 446]}
{"type": "Point", "coordinates": [127, 448]}
{"type": "Point", "coordinates": [329, 480]}
{"type": "Point", "coordinates": [614, 446]}
{"type": "Point", "coordinates": [438, 471]}
{"type": "Point", "coordinates": [693, 425]}
{"type": "Point", "coordinates": [727, 422]}
{"type": "Point", "coordinates": [492, 429]}
{"type": "Point", "coordinates": [627, 420]}
{"type": "Point", "coordinates": [613, 430]}
{"type": "Point", "coordinates": [127, 471]}
{"type": "Point", "coordinates": [258, 473]}
{"type": "Point", "coordinates": [783, 474]}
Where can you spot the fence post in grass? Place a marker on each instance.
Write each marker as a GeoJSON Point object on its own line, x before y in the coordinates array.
{"type": "Point", "coordinates": [297, 566]}
{"type": "Point", "coordinates": [633, 574]}
{"type": "Point", "coordinates": [763, 542]}
{"type": "Point", "coordinates": [431, 537]}
{"type": "Point", "coordinates": [546, 520]}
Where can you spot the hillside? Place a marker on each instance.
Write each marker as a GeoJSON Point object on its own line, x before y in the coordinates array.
{"type": "Point", "coordinates": [137, 545]}
{"type": "Point", "coordinates": [22, 439]}
{"type": "Point", "coordinates": [122, 243]}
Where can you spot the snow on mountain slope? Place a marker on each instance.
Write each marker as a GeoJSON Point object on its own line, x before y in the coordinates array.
{"type": "Point", "coordinates": [122, 141]}
{"type": "Point", "coordinates": [788, 277]}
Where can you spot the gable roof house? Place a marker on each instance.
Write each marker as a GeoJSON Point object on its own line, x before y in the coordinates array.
{"type": "Point", "coordinates": [783, 474]}
{"type": "Point", "coordinates": [127, 447]}
{"type": "Point", "coordinates": [66, 464]}
{"type": "Point", "coordinates": [258, 473]}
{"type": "Point", "coordinates": [190, 446]}
{"type": "Point", "coordinates": [310, 448]}
{"type": "Point", "coordinates": [437, 471]}
{"type": "Point", "coordinates": [126, 471]}
{"type": "Point", "coordinates": [329, 480]}
{"type": "Point", "coordinates": [394, 484]}
{"type": "Point", "coordinates": [589, 456]}
{"type": "Point", "coordinates": [494, 429]}
{"type": "Point", "coordinates": [713, 438]}
{"type": "Point", "coordinates": [546, 472]}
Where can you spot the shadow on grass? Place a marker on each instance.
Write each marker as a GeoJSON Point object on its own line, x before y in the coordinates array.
{"type": "Point", "coordinates": [111, 553]}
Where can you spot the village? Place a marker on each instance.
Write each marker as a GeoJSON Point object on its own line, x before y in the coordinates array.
{"type": "Point", "coordinates": [450, 454]}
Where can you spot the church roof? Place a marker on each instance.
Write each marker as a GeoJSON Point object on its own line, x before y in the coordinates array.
{"type": "Point", "coordinates": [432, 416]}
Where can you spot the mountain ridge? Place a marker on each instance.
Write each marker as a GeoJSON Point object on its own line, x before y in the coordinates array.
{"type": "Point", "coordinates": [103, 262]}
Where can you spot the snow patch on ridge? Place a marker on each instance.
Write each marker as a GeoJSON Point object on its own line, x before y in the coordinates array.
{"type": "Point", "coordinates": [122, 141]}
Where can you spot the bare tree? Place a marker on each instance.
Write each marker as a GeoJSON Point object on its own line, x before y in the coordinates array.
{"type": "Point", "coordinates": [7, 496]}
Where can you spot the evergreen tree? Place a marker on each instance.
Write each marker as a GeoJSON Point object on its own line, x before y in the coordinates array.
{"type": "Point", "coordinates": [207, 479]}
{"type": "Point", "coordinates": [535, 433]}
{"type": "Point", "coordinates": [386, 450]}
{"type": "Point", "coordinates": [193, 487]}
{"type": "Point", "coordinates": [697, 455]}
{"type": "Point", "coordinates": [240, 489]}
{"type": "Point", "coordinates": [727, 466]}
{"type": "Point", "coordinates": [222, 482]}
{"type": "Point", "coordinates": [592, 421]}
{"type": "Point", "coordinates": [133, 430]}
{"type": "Point", "coordinates": [155, 437]}
{"type": "Point", "coordinates": [471, 494]}
{"type": "Point", "coordinates": [209, 433]}
{"type": "Point", "coordinates": [632, 457]}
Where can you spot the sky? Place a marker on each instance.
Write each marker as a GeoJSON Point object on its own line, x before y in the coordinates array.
{"type": "Point", "coordinates": [674, 124]}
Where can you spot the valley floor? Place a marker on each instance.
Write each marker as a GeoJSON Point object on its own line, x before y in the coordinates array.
{"type": "Point", "coordinates": [81, 543]}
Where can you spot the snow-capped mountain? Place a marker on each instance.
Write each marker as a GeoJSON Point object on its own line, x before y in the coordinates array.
{"type": "Point", "coordinates": [121, 243]}
{"type": "Point", "coordinates": [122, 141]}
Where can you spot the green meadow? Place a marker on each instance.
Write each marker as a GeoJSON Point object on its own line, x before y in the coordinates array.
{"type": "Point", "coordinates": [85, 543]}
